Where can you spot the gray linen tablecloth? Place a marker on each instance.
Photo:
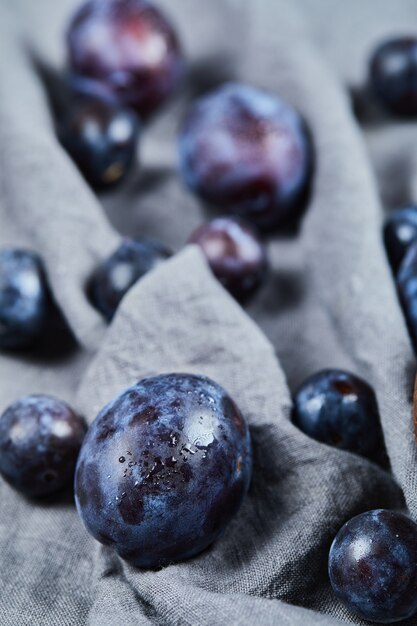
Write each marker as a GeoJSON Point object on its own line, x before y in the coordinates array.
{"type": "Point", "coordinates": [330, 301]}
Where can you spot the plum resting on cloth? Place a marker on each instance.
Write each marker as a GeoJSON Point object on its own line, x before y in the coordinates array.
{"type": "Point", "coordinates": [163, 469]}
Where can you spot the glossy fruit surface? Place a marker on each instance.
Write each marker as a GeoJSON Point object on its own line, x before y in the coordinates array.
{"type": "Point", "coordinates": [400, 232]}
{"type": "Point", "coordinates": [373, 566]}
{"type": "Point", "coordinates": [340, 409]}
{"type": "Point", "coordinates": [163, 469]}
{"type": "Point", "coordinates": [102, 140]}
{"type": "Point", "coordinates": [407, 290]}
{"type": "Point", "coordinates": [393, 75]}
{"type": "Point", "coordinates": [248, 152]}
{"type": "Point", "coordinates": [235, 254]}
{"type": "Point", "coordinates": [25, 303]}
{"type": "Point", "coordinates": [115, 276]}
{"type": "Point", "coordinates": [125, 51]}
{"type": "Point", "coordinates": [40, 437]}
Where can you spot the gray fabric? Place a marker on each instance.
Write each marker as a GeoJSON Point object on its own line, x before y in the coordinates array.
{"type": "Point", "coordinates": [329, 301]}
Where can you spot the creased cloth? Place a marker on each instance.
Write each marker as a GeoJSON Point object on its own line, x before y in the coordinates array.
{"type": "Point", "coordinates": [329, 302]}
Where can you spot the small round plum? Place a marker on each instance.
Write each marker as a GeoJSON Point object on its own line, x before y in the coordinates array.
{"type": "Point", "coordinates": [125, 51]}
{"type": "Point", "coordinates": [393, 75]}
{"type": "Point", "coordinates": [400, 232]}
{"type": "Point", "coordinates": [40, 437]}
{"type": "Point", "coordinates": [340, 409]}
{"type": "Point", "coordinates": [102, 141]}
{"type": "Point", "coordinates": [235, 254]}
{"type": "Point", "coordinates": [373, 566]}
{"type": "Point", "coordinates": [248, 152]}
{"type": "Point", "coordinates": [163, 469]}
{"type": "Point", "coordinates": [115, 276]}
{"type": "Point", "coordinates": [25, 302]}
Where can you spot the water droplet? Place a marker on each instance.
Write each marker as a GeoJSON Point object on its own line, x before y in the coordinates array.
{"type": "Point", "coordinates": [122, 459]}
{"type": "Point", "coordinates": [136, 483]}
{"type": "Point", "coordinates": [108, 475]}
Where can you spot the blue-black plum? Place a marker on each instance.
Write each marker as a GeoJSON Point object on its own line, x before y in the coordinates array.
{"type": "Point", "coordinates": [373, 566]}
{"type": "Point", "coordinates": [115, 276]}
{"type": "Point", "coordinates": [235, 254]}
{"type": "Point", "coordinates": [340, 409]}
{"type": "Point", "coordinates": [124, 51]}
{"type": "Point", "coordinates": [40, 437]}
{"type": "Point", "coordinates": [407, 290]}
{"type": "Point", "coordinates": [102, 140]}
{"type": "Point", "coordinates": [163, 469]}
{"type": "Point", "coordinates": [393, 75]}
{"type": "Point", "coordinates": [25, 301]}
{"type": "Point", "coordinates": [400, 232]}
{"type": "Point", "coordinates": [248, 152]}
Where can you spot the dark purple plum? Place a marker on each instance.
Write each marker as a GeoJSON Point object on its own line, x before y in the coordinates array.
{"type": "Point", "coordinates": [125, 51]}
{"type": "Point", "coordinates": [40, 437]}
{"type": "Point", "coordinates": [373, 566]}
{"type": "Point", "coordinates": [393, 75]}
{"type": "Point", "coordinates": [235, 254]}
{"type": "Point", "coordinates": [25, 302]}
{"type": "Point", "coordinates": [407, 290]}
{"type": "Point", "coordinates": [400, 232]}
{"type": "Point", "coordinates": [102, 140]}
{"type": "Point", "coordinates": [115, 276]}
{"type": "Point", "coordinates": [340, 409]}
{"type": "Point", "coordinates": [163, 469]}
{"type": "Point", "coordinates": [248, 152]}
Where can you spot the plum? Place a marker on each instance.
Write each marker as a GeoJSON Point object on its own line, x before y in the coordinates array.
{"type": "Point", "coordinates": [40, 437]}
{"type": "Point", "coordinates": [125, 51]}
{"type": "Point", "coordinates": [102, 140]}
{"type": "Point", "coordinates": [400, 231]}
{"type": "Point", "coordinates": [116, 275]}
{"type": "Point", "coordinates": [26, 306]}
{"type": "Point", "coordinates": [393, 75]}
{"type": "Point", "coordinates": [235, 254]}
{"type": "Point", "coordinates": [163, 469]}
{"type": "Point", "coordinates": [373, 566]}
{"type": "Point", "coordinates": [340, 409]}
{"type": "Point", "coordinates": [248, 152]}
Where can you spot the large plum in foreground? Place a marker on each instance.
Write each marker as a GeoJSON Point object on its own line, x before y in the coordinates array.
{"type": "Point", "coordinates": [125, 51]}
{"type": "Point", "coordinates": [163, 469]}
{"type": "Point", "coordinates": [248, 152]}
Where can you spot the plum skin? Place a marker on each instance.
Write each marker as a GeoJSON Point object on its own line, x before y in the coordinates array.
{"type": "Point", "coordinates": [341, 410]}
{"type": "Point", "coordinates": [124, 51]}
{"type": "Point", "coordinates": [235, 255]}
{"type": "Point", "coordinates": [248, 152]}
{"type": "Point", "coordinates": [163, 469]}
{"type": "Point", "coordinates": [373, 566]}
{"type": "Point", "coordinates": [26, 305]}
{"type": "Point", "coordinates": [400, 231]}
{"type": "Point", "coordinates": [40, 437]}
{"type": "Point", "coordinates": [393, 75]}
{"type": "Point", "coordinates": [102, 140]}
{"type": "Point", "coordinates": [406, 281]}
{"type": "Point", "coordinates": [113, 278]}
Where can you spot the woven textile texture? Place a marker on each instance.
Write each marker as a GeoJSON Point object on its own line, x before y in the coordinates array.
{"type": "Point", "coordinates": [329, 302]}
